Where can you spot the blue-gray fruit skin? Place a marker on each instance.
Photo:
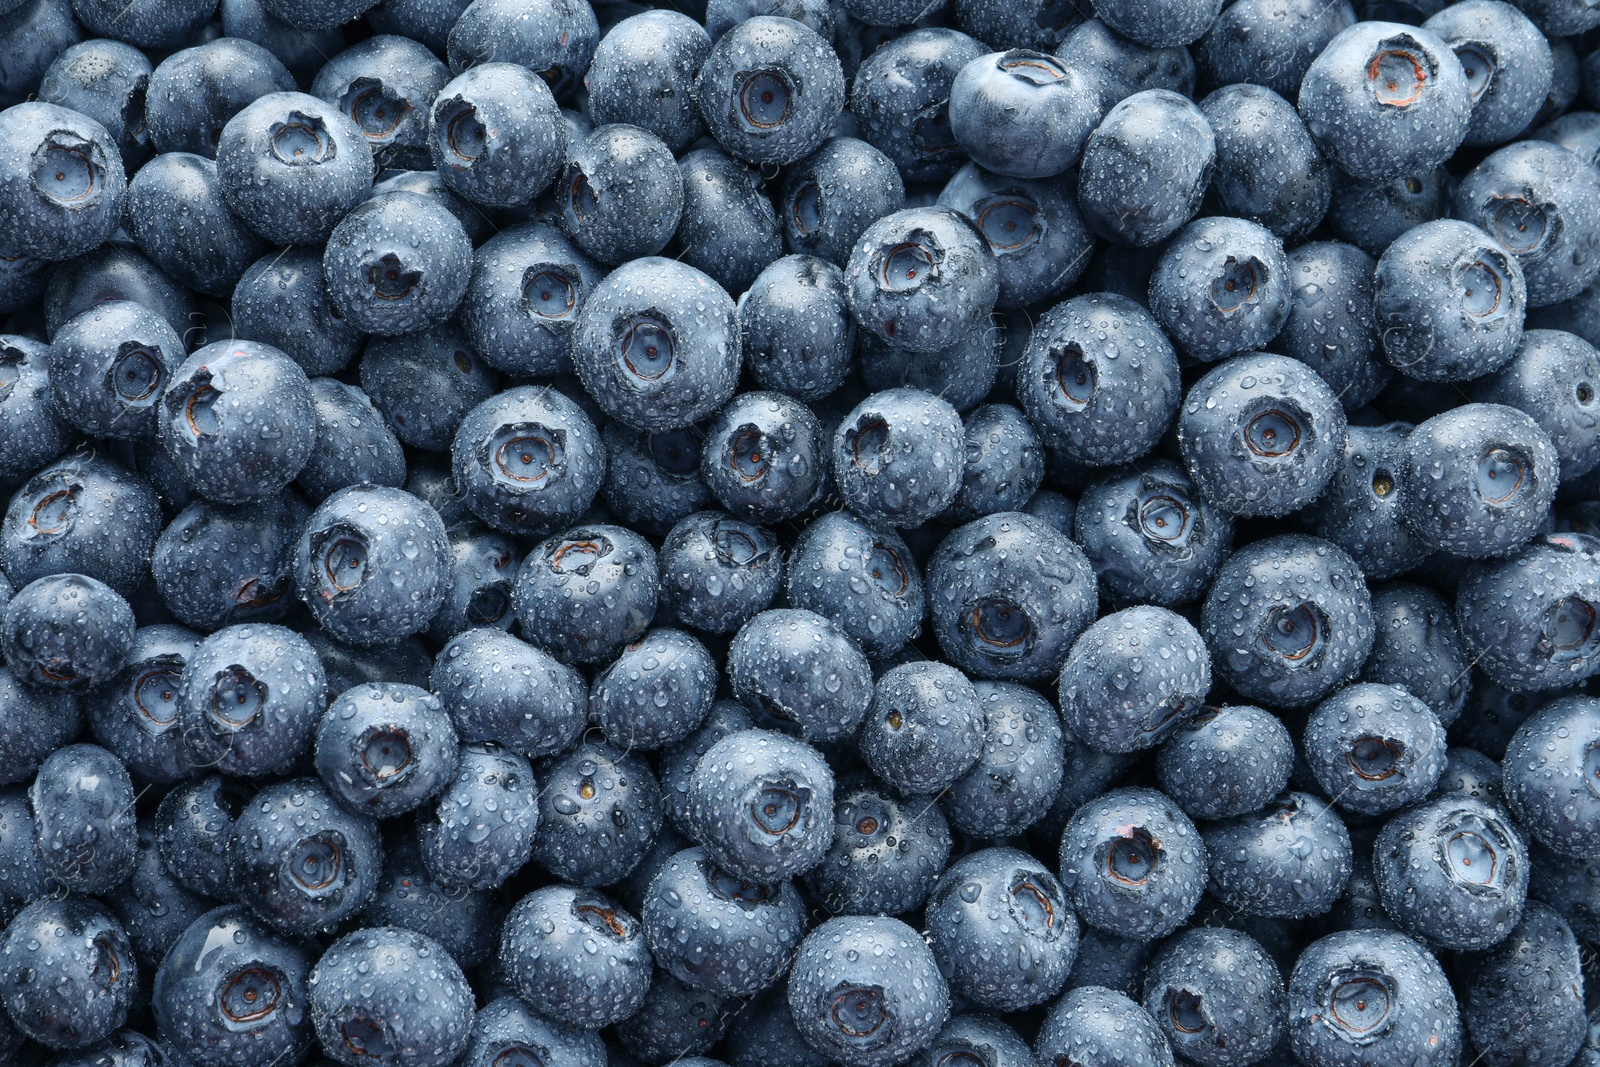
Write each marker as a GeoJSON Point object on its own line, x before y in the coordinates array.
{"type": "Point", "coordinates": [1524, 1000]}
{"type": "Point", "coordinates": [114, 270]}
{"type": "Point", "coordinates": [897, 457]}
{"type": "Point", "coordinates": [676, 765]}
{"type": "Point", "coordinates": [1225, 761]}
{"type": "Point", "coordinates": [1372, 131]}
{"type": "Point", "coordinates": [653, 479]}
{"type": "Point", "coordinates": [901, 100]}
{"type": "Point", "coordinates": [36, 31]}
{"type": "Point", "coordinates": [999, 925]}
{"type": "Point", "coordinates": [1375, 748]}
{"type": "Point", "coordinates": [983, 1038]}
{"type": "Point", "coordinates": [713, 931]}
{"type": "Point", "coordinates": [496, 135]}
{"type": "Point", "coordinates": [528, 284]}
{"type": "Point", "coordinates": [385, 83]}
{"type": "Point", "coordinates": [249, 699]}
{"type": "Point", "coordinates": [497, 688]}
{"type": "Point", "coordinates": [66, 633]}
{"type": "Point", "coordinates": [924, 729]}
{"type": "Point", "coordinates": [1269, 42]}
{"type": "Point", "coordinates": [527, 460]}
{"type": "Point", "coordinates": [961, 374]}
{"type": "Point", "coordinates": [1404, 1010]}
{"type": "Point", "coordinates": [507, 1027]}
{"type": "Point", "coordinates": [373, 565]}
{"type": "Point", "coordinates": [135, 715]}
{"type": "Point", "coordinates": [291, 166]}
{"type": "Point", "coordinates": [873, 1006]}
{"type": "Point", "coordinates": [398, 263]}
{"type": "Point", "coordinates": [62, 184]}
{"type": "Point", "coordinates": [31, 431]}
{"type": "Point", "coordinates": [385, 749]}
{"type": "Point", "coordinates": [1452, 871]}
{"type": "Point", "coordinates": [1159, 23]}
{"type": "Point", "coordinates": [354, 444]}
{"type": "Point", "coordinates": [1221, 287]}
{"type": "Point", "coordinates": [766, 65]}
{"type": "Point", "coordinates": [575, 956]}
{"type": "Point", "coordinates": [1419, 648]}
{"type": "Point", "coordinates": [586, 593]}
{"type": "Point", "coordinates": [1151, 536]}
{"type": "Point", "coordinates": [483, 564]}
{"type": "Point", "coordinates": [82, 801]}
{"type": "Point", "coordinates": [1133, 863]}
{"type": "Point", "coordinates": [799, 668]}
{"type": "Point", "coordinates": [465, 922]}
{"type": "Point", "coordinates": [108, 367]}
{"type": "Point", "coordinates": [761, 804]}
{"type": "Point", "coordinates": [1020, 765]}
{"type": "Point", "coordinates": [191, 827]}
{"type": "Point", "coordinates": [1217, 996]}
{"type": "Point", "coordinates": [1290, 859]}
{"type": "Point", "coordinates": [83, 514]}
{"type": "Point", "coordinates": [1099, 380]}
{"type": "Point", "coordinates": [1092, 1024]}
{"type": "Point", "coordinates": [68, 971]}
{"type": "Point", "coordinates": [1132, 678]}
{"type": "Point", "coordinates": [1361, 509]}
{"type": "Point", "coordinates": [1450, 302]}
{"type": "Point", "coordinates": [728, 228]}
{"type": "Point", "coordinates": [281, 300]}
{"type": "Point", "coordinates": [1470, 772]}
{"type": "Point", "coordinates": [1288, 620]}
{"type": "Point", "coordinates": [1548, 776]}
{"type": "Point", "coordinates": [1262, 435]}
{"type": "Point", "coordinates": [481, 830]}
{"type": "Point", "coordinates": [657, 345]}
{"type": "Point", "coordinates": [25, 879]}
{"type": "Point", "coordinates": [1477, 480]}
{"type": "Point", "coordinates": [554, 38]}
{"type": "Point", "coordinates": [1371, 215]}
{"type": "Point", "coordinates": [218, 565]}
{"type": "Point", "coordinates": [1145, 168]}
{"type": "Point", "coordinates": [233, 991]}
{"type": "Point", "coordinates": [922, 278]}
{"type": "Point", "coordinates": [643, 74]}
{"type": "Point", "coordinates": [718, 572]}
{"type": "Point", "coordinates": [656, 692]}
{"type": "Point", "coordinates": [176, 215]}
{"type": "Point", "coordinates": [426, 383]}
{"type": "Point", "coordinates": [1331, 326]}
{"type": "Point", "coordinates": [599, 813]}
{"type": "Point", "coordinates": [1507, 61]}
{"type": "Point", "coordinates": [885, 855]}
{"type": "Point", "coordinates": [1022, 113]}
{"type": "Point", "coordinates": [237, 420]}
{"type": "Point", "coordinates": [765, 457]}
{"type": "Point", "coordinates": [390, 991]}
{"type": "Point", "coordinates": [1008, 594]}
{"type": "Point", "coordinates": [1268, 170]}
{"type": "Point", "coordinates": [107, 81]}
{"type": "Point", "coordinates": [1121, 67]}
{"type": "Point", "coordinates": [1033, 228]}
{"type": "Point", "coordinates": [1004, 464]}
{"type": "Point", "coordinates": [1553, 379]}
{"type": "Point", "coordinates": [195, 91]}
{"type": "Point", "coordinates": [621, 195]}
{"type": "Point", "coordinates": [865, 580]}
{"type": "Point", "coordinates": [829, 198]}
{"type": "Point", "coordinates": [797, 333]}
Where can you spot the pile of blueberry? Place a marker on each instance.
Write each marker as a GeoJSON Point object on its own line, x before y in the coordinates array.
{"type": "Point", "coordinates": [799, 533]}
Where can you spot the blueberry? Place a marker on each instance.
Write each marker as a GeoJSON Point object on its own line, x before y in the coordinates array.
{"type": "Point", "coordinates": [109, 82]}
{"type": "Point", "coordinates": [924, 729]}
{"type": "Point", "coordinates": [1419, 648]}
{"type": "Point", "coordinates": [885, 855]}
{"type": "Point", "coordinates": [981, 1038]}
{"type": "Point", "coordinates": [1360, 996]}
{"type": "Point", "coordinates": [553, 38]}
{"type": "Point", "coordinates": [36, 31]}
{"type": "Point", "coordinates": [1008, 595]}
{"type": "Point", "coordinates": [1225, 761]}
{"type": "Point", "coordinates": [1537, 966]}
{"type": "Point", "coordinates": [643, 74]}
{"type": "Point", "coordinates": [1221, 287]}
{"type": "Point", "coordinates": [586, 593]}
{"type": "Point", "coordinates": [427, 21]}
{"type": "Point", "coordinates": [961, 374]}
{"type": "Point", "coordinates": [1120, 67]}
{"type": "Point", "coordinates": [135, 714]}
{"type": "Point", "coordinates": [897, 457]}
{"type": "Point", "coordinates": [1145, 168]}
{"type": "Point", "coordinates": [354, 444]}
{"type": "Point", "coordinates": [1553, 379]}
{"type": "Point", "coordinates": [177, 216]}
{"type": "Point", "coordinates": [1132, 678]}
{"type": "Point", "coordinates": [1383, 100]}
{"type": "Point", "coordinates": [1331, 326]}
{"type": "Point", "coordinates": [1049, 108]}
{"type": "Point", "coordinates": [82, 801]}
{"type": "Point", "coordinates": [796, 331]}
{"type": "Point", "coordinates": [866, 581]}
{"type": "Point", "coordinates": [599, 813]}
{"type": "Point", "coordinates": [68, 972]}
{"type": "Point", "coordinates": [622, 195]}
{"type": "Point", "coordinates": [770, 90]}
{"type": "Point", "coordinates": [1268, 170]}
{"type": "Point", "coordinates": [922, 278]}
{"type": "Point", "coordinates": [392, 995]}
{"type": "Point", "coordinates": [31, 431]}
{"type": "Point", "coordinates": [677, 764]}
{"type": "Point", "coordinates": [385, 749]}
{"type": "Point", "coordinates": [760, 804]}
{"type": "Point", "coordinates": [717, 572]}
{"type": "Point", "coordinates": [281, 300]}
{"type": "Point", "coordinates": [497, 688]}
{"type": "Point", "coordinates": [999, 924]}
{"type": "Point", "coordinates": [249, 698]}
{"type": "Point", "coordinates": [232, 991]}
{"type": "Point", "coordinates": [61, 182]}
{"type": "Point", "coordinates": [506, 1027]}
{"type": "Point", "coordinates": [192, 826]}
{"type": "Point", "coordinates": [1375, 748]}
{"type": "Point", "coordinates": [463, 921]}
{"type": "Point", "coordinates": [496, 135]}
{"type": "Point", "coordinates": [728, 228]}
{"type": "Point", "coordinates": [1557, 19]}
{"type": "Point", "coordinates": [1094, 1024]}
{"type": "Point", "coordinates": [397, 263]}
{"type": "Point", "coordinates": [1151, 536]}
{"type": "Point", "coordinates": [66, 633]}
{"type": "Point", "coordinates": [763, 1034]}
{"type": "Point", "coordinates": [874, 1005]}
{"type": "Point", "coordinates": [1217, 996]}
{"type": "Point", "coordinates": [830, 197]}
{"type": "Point", "coordinates": [800, 669]}
{"type": "Point", "coordinates": [1290, 859]}
{"type": "Point", "coordinates": [764, 458]}
{"type": "Point", "coordinates": [656, 692]}
{"type": "Point", "coordinates": [528, 284]}
{"type": "Point", "coordinates": [527, 460]}
{"type": "Point", "coordinates": [108, 367]}
{"type": "Point", "coordinates": [653, 479]}
{"type": "Point", "coordinates": [1507, 61]}
{"type": "Point", "coordinates": [1133, 863]}
{"type": "Point", "coordinates": [385, 84]}
{"type": "Point", "coordinates": [114, 271]}
{"type": "Point", "coordinates": [1361, 510]}
{"type": "Point", "coordinates": [218, 565]}
{"type": "Point", "coordinates": [1288, 620]}
{"type": "Point", "coordinates": [481, 829]}
{"type": "Point", "coordinates": [1033, 228]}
{"type": "Point", "coordinates": [483, 564]}
{"type": "Point", "coordinates": [1269, 42]}
{"type": "Point", "coordinates": [1019, 769]}
{"type": "Point", "coordinates": [656, 345]}
{"type": "Point", "coordinates": [1477, 480]}
{"type": "Point", "coordinates": [575, 956]}
{"type": "Point", "coordinates": [1550, 775]}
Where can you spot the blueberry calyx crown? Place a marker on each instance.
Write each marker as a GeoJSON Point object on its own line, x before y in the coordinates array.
{"type": "Point", "coordinates": [302, 140]}
{"type": "Point", "coordinates": [1132, 855]}
{"type": "Point", "coordinates": [67, 170]}
{"type": "Point", "coordinates": [377, 110]}
{"type": "Point", "coordinates": [1399, 71]}
{"type": "Point", "coordinates": [1357, 1003]}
